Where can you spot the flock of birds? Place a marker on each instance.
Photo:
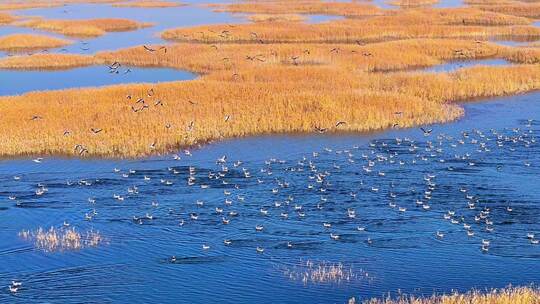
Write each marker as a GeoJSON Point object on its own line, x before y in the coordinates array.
{"type": "Point", "coordinates": [334, 191]}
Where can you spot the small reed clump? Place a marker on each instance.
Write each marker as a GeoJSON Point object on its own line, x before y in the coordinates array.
{"type": "Point", "coordinates": [83, 28]}
{"type": "Point", "coordinates": [68, 239]}
{"type": "Point", "coordinates": [310, 272]}
{"type": "Point", "coordinates": [276, 18]}
{"type": "Point", "coordinates": [6, 18]}
{"type": "Point", "coordinates": [19, 42]}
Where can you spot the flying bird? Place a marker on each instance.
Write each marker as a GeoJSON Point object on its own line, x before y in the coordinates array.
{"type": "Point", "coordinates": [426, 131]}
{"type": "Point", "coordinates": [148, 48]}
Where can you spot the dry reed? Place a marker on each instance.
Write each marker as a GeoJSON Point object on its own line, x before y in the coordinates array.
{"type": "Point", "coordinates": [352, 9]}
{"type": "Point", "coordinates": [530, 10]}
{"type": "Point", "coordinates": [413, 3]}
{"type": "Point", "coordinates": [273, 87]}
{"type": "Point", "coordinates": [65, 239]}
{"type": "Point", "coordinates": [310, 272]}
{"type": "Point", "coordinates": [6, 18]}
{"type": "Point", "coordinates": [298, 92]}
{"type": "Point", "coordinates": [83, 28]}
{"type": "Point", "coordinates": [509, 295]}
{"type": "Point", "coordinates": [17, 42]}
{"type": "Point", "coordinates": [46, 61]}
{"type": "Point", "coordinates": [425, 23]}
{"type": "Point", "coordinates": [276, 18]}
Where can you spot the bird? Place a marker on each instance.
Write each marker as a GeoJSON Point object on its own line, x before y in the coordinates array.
{"type": "Point", "coordinates": [426, 131]}
{"type": "Point", "coordinates": [340, 123]}
{"type": "Point", "coordinates": [149, 49]}
{"type": "Point", "coordinates": [318, 129]}
{"type": "Point", "coordinates": [96, 130]}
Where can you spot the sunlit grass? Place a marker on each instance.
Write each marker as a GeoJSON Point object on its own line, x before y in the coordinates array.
{"type": "Point", "coordinates": [424, 23]}
{"type": "Point", "coordinates": [276, 18]}
{"type": "Point", "coordinates": [297, 83]}
{"type": "Point", "coordinates": [413, 3]}
{"type": "Point", "coordinates": [356, 9]}
{"type": "Point", "coordinates": [64, 239]}
{"type": "Point", "coordinates": [6, 18]}
{"type": "Point", "coordinates": [194, 113]}
{"type": "Point", "coordinates": [509, 295]}
{"type": "Point", "coordinates": [206, 59]}
{"type": "Point", "coordinates": [530, 10]}
{"type": "Point", "coordinates": [46, 61]}
{"type": "Point", "coordinates": [17, 42]}
{"type": "Point", "coordinates": [83, 28]}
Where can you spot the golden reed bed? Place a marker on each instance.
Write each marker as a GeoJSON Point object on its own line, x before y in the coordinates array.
{"type": "Point", "coordinates": [509, 295]}
{"type": "Point", "coordinates": [83, 28]}
{"type": "Point", "coordinates": [28, 4]}
{"type": "Point", "coordinates": [253, 84]}
{"type": "Point", "coordinates": [6, 18]}
{"type": "Point", "coordinates": [21, 42]}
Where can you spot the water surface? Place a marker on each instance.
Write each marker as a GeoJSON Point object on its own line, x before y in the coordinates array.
{"type": "Point", "coordinates": [15, 82]}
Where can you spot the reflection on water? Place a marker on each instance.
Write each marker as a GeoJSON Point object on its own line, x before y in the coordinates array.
{"type": "Point", "coordinates": [449, 3]}
{"type": "Point", "coordinates": [355, 202]}
{"type": "Point", "coordinates": [16, 82]}
{"type": "Point", "coordinates": [451, 66]}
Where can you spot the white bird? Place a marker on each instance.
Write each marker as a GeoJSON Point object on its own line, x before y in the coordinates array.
{"type": "Point", "coordinates": [16, 284]}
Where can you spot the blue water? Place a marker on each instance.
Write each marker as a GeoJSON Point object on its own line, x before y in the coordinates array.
{"type": "Point", "coordinates": [15, 82]}
{"type": "Point", "coordinates": [452, 66]}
